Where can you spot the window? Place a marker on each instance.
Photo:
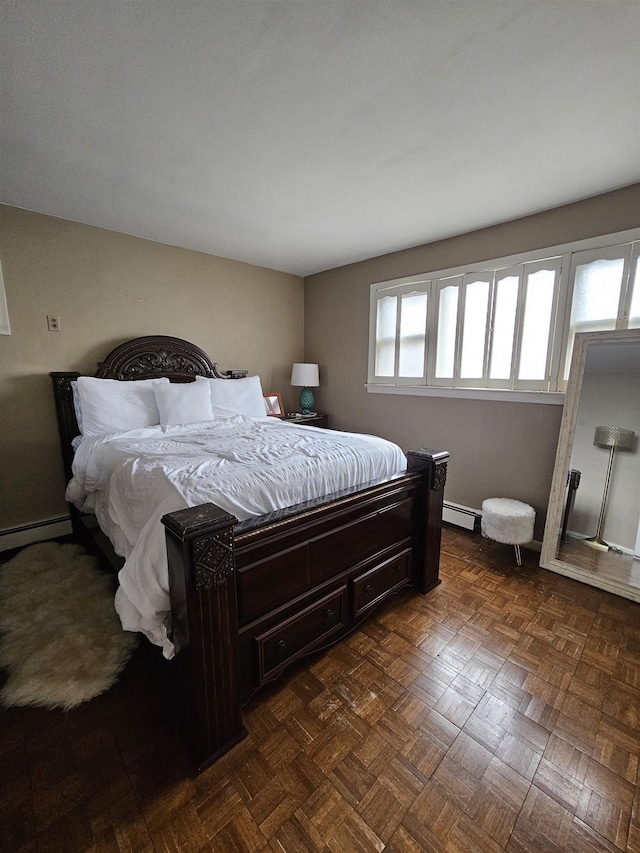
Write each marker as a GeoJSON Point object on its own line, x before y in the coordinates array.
{"type": "Point", "coordinates": [508, 324]}
{"type": "Point", "coordinates": [400, 333]}
{"type": "Point", "coordinates": [599, 295]}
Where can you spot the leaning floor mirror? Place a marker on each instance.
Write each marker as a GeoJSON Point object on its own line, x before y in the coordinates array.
{"type": "Point", "coordinates": [592, 531]}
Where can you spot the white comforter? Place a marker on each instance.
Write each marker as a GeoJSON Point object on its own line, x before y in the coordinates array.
{"type": "Point", "coordinates": [247, 466]}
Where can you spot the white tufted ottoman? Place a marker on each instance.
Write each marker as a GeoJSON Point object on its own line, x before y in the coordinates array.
{"type": "Point", "coordinates": [508, 521]}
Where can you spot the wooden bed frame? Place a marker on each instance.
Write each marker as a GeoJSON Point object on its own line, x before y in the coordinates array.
{"type": "Point", "coordinates": [250, 598]}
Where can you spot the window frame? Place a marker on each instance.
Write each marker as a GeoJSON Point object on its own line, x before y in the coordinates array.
{"type": "Point", "coordinates": [567, 256]}
{"type": "Point", "coordinates": [400, 288]}
{"type": "Point", "coordinates": [585, 256]}
{"type": "Point", "coordinates": [516, 270]}
{"type": "Point", "coordinates": [409, 290]}
{"type": "Point", "coordinates": [529, 269]}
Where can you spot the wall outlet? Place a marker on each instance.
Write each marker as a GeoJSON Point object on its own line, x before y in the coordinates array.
{"type": "Point", "coordinates": [53, 322]}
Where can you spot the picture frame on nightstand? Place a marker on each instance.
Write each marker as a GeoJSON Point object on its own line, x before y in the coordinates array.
{"type": "Point", "coordinates": [273, 405]}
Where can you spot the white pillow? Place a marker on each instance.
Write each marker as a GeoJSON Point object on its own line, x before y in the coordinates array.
{"type": "Point", "coordinates": [76, 403]}
{"type": "Point", "coordinates": [183, 403]}
{"type": "Point", "coordinates": [236, 397]}
{"type": "Point", "coordinates": [111, 405]}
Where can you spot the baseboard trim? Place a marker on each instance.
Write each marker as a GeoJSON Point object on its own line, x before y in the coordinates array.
{"type": "Point", "coordinates": [461, 516]}
{"type": "Point", "coordinates": [38, 531]}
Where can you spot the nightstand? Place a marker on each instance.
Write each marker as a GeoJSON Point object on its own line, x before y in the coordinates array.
{"type": "Point", "coordinates": [316, 420]}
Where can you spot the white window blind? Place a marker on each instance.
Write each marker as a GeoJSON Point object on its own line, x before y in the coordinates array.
{"type": "Point", "coordinates": [448, 300]}
{"type": "Point", "coordinates": [386, 312]}
{"type": "Point", "coordinates": [509, 324]}
{"type": "Point", "coordinates": [597, 281]}
{"type": "Point", "coordinates": [505, 304]}
{"type": "Point", "coordinates": [540, 283]}
{"type": "Point", "coordinates": [413, 335]}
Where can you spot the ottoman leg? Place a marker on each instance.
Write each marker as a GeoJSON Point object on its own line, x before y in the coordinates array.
{"type": "Point", "coordinates": [518, 557]}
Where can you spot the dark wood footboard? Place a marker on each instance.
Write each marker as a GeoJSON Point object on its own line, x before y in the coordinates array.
{"type": "Point", "coordinates": [250, 599]}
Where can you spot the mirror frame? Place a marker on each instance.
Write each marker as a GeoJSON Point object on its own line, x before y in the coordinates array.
{"type": "Point", "coordinates": [553, 525]}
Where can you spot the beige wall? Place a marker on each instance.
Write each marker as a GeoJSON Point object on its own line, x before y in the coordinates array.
{"type": "Point", "coordinates": [107, 288]}
{"type": "Point", "coordinates": [497, 449]}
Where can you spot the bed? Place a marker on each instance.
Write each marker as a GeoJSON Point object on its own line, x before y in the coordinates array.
{"type": "Point", "coordinates": [249, 596]}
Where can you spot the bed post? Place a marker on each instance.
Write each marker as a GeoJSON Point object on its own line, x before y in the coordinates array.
{"type": "Point", "coordinates": [200, 549]}
{"type": "Point", "coordinates": [68, 429]}
{"type": "Point", "coordinates": [426, 564]}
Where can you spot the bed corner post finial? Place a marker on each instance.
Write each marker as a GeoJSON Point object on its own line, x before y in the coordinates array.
{"type": "Point", "coordinates": [433, 464]}
{"type": "Point", "coordinates": [435, 460]}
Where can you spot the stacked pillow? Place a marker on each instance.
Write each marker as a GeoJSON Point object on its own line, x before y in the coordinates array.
{"type": "Point", "coordinates": [235, 396]}
{"type": "Point", "coordinates": [182, 403]}
{"type": "Point", "coordinates": [110, 405]}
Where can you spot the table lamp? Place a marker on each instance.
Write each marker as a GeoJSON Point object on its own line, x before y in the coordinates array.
{"type": "Point", "coordinates": [305, 375]}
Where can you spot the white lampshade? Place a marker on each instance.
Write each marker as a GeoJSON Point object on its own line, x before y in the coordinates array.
{"type": "Point", "coordinates": [305, 375]}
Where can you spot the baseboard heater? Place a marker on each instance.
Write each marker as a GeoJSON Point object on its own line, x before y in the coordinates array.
{"type": "Point", "coordinates": [37, 531]}
{"type": "Point", "coordinates": [461, 516]}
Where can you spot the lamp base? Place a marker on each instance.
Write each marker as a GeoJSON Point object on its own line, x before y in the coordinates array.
{"type": "Point", "coordinates": [306, 401]}
{"type": "Point", "coordinates": [596, 542]}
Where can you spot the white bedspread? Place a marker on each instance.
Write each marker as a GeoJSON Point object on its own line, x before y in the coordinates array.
{"type": "Point", "coordinates": [247, 466]}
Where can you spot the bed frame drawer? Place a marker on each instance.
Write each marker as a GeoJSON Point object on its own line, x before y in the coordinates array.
{"type": "Point", "coordinates": [346, 546]}
{"type": "Point", "coordinates": [300, 633]}
{"type": "Point", "coordinates": [373, 585]}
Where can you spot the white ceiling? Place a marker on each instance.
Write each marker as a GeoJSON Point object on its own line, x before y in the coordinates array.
{"type": "Point", "coordinates": [305, 134]}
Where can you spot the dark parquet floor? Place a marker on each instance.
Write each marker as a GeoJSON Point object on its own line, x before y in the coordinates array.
{"type": "Point", "coordinates": [501, 712]}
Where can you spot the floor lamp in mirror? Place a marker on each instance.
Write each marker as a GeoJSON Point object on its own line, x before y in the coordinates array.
{"type": "Point", "coordinates": [611, 438]}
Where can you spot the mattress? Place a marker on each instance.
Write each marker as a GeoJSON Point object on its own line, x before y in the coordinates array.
{"type": "Point", "coordinates": [247, 466]}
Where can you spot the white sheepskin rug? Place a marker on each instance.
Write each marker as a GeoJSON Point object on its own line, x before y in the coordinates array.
{"type": "Point", "coordinates": [61, 641]}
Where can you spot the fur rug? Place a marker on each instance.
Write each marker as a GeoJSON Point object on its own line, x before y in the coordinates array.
{"type": "Point", "coordinates": [61, 640]}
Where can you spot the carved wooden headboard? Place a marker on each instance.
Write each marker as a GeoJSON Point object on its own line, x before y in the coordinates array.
{"type": "Point", "coordinates": [149, 357]}
{"type": "Point", "coordinates": [154, 356]}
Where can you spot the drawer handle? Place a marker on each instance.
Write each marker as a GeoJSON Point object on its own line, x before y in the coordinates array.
{"type": "Point", "coordinates": [281, 647]}
{"type": "Point", "coordinates": [368, 589]}
{"type": "Point", "coordinates": [329, 615]}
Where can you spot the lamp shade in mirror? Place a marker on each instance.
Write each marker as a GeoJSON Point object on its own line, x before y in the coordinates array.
{"type": "Point", "coordinates": [618, 437]}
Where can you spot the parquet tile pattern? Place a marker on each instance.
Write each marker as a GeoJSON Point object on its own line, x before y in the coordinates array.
{"type": "Point", "coordinates": [501, 712]}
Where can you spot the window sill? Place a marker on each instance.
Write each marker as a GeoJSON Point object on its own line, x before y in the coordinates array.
{"type": "Point", "coordinates": [553, 398]}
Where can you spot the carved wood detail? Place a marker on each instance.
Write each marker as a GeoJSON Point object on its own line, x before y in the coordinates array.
{"type": "Point", "coordinates": [213, 560]}
{"type": "Point", "coordinates": [62, 385]}
{"type": "Point", "coordinates": [159, 355]}
{"type": "Point", "coordinates": [439, 477]}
